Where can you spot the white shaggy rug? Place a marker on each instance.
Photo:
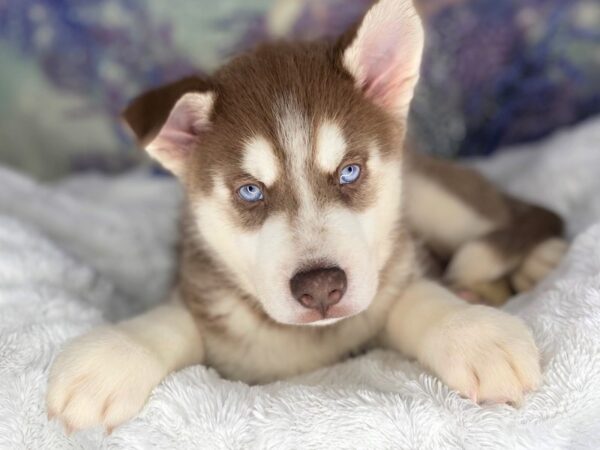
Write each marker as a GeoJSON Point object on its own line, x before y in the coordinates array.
{"type": "Point", "coordinates": [90, 249]}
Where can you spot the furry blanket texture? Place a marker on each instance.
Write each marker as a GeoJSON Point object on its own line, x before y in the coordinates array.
{"type": "Point", "coordinates": [91, 248]}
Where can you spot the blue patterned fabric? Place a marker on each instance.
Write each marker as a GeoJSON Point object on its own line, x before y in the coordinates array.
{"type": "Point", "coordinates": [495, 72]}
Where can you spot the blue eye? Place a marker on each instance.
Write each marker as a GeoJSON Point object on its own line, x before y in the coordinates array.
{"type": "Point", "coordinates": [349, 174]}
{"type": "Point", "coordinates": [250, 193]}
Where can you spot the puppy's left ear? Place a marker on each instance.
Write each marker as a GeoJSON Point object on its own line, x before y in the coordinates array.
{"type": "Point", "coordinates": [168, 121]}
{"type": "Point", "coordinates": [383, 54]}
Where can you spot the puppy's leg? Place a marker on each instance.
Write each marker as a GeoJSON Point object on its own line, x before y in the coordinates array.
{"type": "Point", "coordinates": [105, 377]}
{"type": "Point", "coordinates": [515, 257]}
{"type": "Point", "coordinates": [494, 243]}
{"type": "Point", "coordinates": [538, 263]}
{"type": "Point", "coordinates": [483, 353]}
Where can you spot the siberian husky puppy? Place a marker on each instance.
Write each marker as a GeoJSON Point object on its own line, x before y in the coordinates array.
{"type": "Point", "coordinates": [306, 221]}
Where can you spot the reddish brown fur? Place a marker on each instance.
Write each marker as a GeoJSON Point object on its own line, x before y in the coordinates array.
{"type": "Point", "coordinates": [311, 76]}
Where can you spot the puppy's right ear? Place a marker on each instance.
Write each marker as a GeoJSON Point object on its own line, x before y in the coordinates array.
{"type": "Point", "coordinates": [169, 120]}
{"type": "Point", "coordinates": [383, 54]}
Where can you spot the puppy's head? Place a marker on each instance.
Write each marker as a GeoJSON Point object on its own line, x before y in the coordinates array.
{"type": "Point", "coordinates": [291, 157]}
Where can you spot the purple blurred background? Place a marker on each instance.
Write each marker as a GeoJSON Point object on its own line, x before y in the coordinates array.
{"type": "Point", "coordinates": [496, 72]}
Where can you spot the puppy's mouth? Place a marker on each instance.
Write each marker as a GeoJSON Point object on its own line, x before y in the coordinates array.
{"type": "Point", "coordinates": [333, 315]}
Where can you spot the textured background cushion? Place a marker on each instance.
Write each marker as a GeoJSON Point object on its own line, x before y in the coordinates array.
{"type": "Point", "coordinates": [495, 72]}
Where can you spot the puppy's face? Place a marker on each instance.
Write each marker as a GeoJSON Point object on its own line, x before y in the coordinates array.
{"type": "Point", "coordinates": [291, 157]}
{"type": "Point", "coordinates": [298, 186]}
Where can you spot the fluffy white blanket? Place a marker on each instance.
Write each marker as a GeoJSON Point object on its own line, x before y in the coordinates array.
{"type": "Point", "coordinates": [91, 249]}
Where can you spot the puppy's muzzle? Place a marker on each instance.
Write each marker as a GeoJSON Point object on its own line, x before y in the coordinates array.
{"type": "Point", "coordinates": [319, 289]}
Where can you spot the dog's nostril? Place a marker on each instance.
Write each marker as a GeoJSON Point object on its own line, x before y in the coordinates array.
{"type": "Point", "coordinates": [307, 301]}
{"type": "Point", "coordinates": [335, 295]}
{"type": "Point", "coordinates": [319, 288]}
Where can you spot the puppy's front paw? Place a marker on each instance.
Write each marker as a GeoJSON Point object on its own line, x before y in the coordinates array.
{"type": "Point", "coordinates": [485, 354]}
{"type": "Point", "coordinates": [102, 378]}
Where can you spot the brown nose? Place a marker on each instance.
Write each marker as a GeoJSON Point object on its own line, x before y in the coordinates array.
{"type": "Point", "coordinates": [319, 288]}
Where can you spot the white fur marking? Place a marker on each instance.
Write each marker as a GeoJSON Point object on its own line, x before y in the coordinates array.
{"type": "Point", "coordinates": [331, 146]}
{"type": "Point", "coordinates": [440, 216]}
{"type": "Point", "coordinates": [295, 138]}
{"type": "Point", "coordinates": [380, 220]}
{"type": "Point", "coordinates": [235, 247]}
{"type": "Point", "coordinates": [260, 161]}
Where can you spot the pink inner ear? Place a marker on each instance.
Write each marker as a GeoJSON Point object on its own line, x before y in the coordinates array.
{"type": "Point", "coordinates": [388, 70]}
{"type": "Point", "coordinates": [173, 138]}
{"type": "Point", "coordinates": [188, 118]}
{"type": "Point", "coordinates": [384, 77]}
{"type": "Point", "coordinates": [385, 55]}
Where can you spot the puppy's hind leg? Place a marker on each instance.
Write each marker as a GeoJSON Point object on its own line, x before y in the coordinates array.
{"type": "Point", "coordinates": [515, 257]}
{"type": "Point", "coordinates": [538, 263]}
{"type": "Point", "coordinates": [494, 243]}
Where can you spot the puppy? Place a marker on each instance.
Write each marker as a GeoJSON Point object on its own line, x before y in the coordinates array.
{"type": "Point", "coordinates": [304, 229]}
